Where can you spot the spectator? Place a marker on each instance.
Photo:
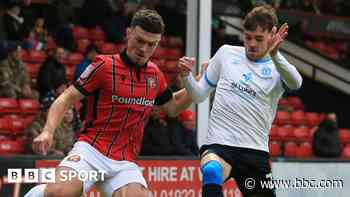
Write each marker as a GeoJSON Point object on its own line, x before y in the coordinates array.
{"type": "Point", "coordinates": [13, 22]}
{"type": "Point", "coordinates": [38, 36]}
{"type": "Point", "coordinates": [52, 74]}
{"type": "Point", "coordinates": [188, 122]}
{"type": "Point", "coordinates": [326, 142]}
{"type": "Point", "coordinates": [64, 135]}
{"type": "Point", "coordinates": [14, 78]}
{"type": "Point", "coordinates": [156, 140]}
{"type": "Point", "coordinates": [90, 53]}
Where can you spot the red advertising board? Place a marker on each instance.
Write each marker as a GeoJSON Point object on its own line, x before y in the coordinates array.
{"type": "Point", "coordinates": [167, 178]}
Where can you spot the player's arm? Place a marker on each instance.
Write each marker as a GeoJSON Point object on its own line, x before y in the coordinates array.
{"type": "Point", "coordinates": [59, 107]}
{"type": "Point", "coordinates": [289, 74]}
{"type": "Point", "coordinates": [180, 100]}
{"type": "Point", "coordinates": [200, 90]}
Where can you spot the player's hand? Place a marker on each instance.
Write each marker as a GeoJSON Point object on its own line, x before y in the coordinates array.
{"type": "Point", "coordinates": [185, 65]}
{"type": "Point", "coordinates": [42, 143]}
{"type": "Point", "coordinates": [276, 38]}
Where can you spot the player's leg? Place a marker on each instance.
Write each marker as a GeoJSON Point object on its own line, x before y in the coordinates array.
{"type": "Point", "coordinates": [214, 170]}
{"type": "Point", "coordinates": [132, 189]}
{"type": "Point", "coordinates": [127, 182]}
{"type": "Point", "coordinates": [253, 169]}
{"type": "Point", "coordinates": [60, 188]}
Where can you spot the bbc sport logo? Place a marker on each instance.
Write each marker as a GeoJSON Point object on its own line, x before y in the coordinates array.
{"type": "Point", "coordinates": [48, 175]}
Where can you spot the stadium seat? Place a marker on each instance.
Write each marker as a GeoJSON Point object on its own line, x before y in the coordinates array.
{"type": "Point", "coordinates": [29, 106]}
{"type": "Point", "coordinates": [17, 126]}
{"type": "Point", "coordinates": [50, 44]}
{"type": "Point", "coordinates": [5, 126]}
{"type": "Point", "coordinates": [82, 44]}
{"type": "Point", "coordinates": [282, 118]}
{"type": "Point", "coordinates": [296, 102]}
{"type": "Point", "coordinates": [74, 58]}
{"type": "Point", "coordinates": [312, 119]}
{"type": "Point", "coordinates": [304, 150]}
{"type": "Point", "coordinates": [302, 134]}
{"type": "Point", "coordinates": [11, 147]}
{"type": "Point", "coordinates": [283, 102]}
{"type": "Point", "coordinates": [36, 56]}
{"type": "Point", "coordinates": [285, 133]}
{"type": "Point", "coordinates": [346, 152]}
{"type": "Point", "coordinates": [159, 62]}
{"type": "Point", "coordinates": [80, 33]}
{"type": "Point", "coordinates": [159, 53]}
{"type": "Point", "coordinates": [344, 136]}
{"type": "Point", "coordinates": [173, 53]}
{"type": "Point", "coordinates": [8, 106]}
{"type": "Point", "coordinates": [298, 118]}
{"type": "Point", "coordinates": [174, 41]}
{"type": "Point", "coordinates": [170, 66]}
{"type": "Point", "coordinates": [33, 69]}
{"type": "Point", "coordinates": [108, 48]}
{"type": "Point", "coordinates": [273, 135]}
{"type": "Point", "coordinates": [275, 148]}
{"type": "Point", "coordinates": [96, 34]}
{"type": "Point", "coordinates": [290, 149]}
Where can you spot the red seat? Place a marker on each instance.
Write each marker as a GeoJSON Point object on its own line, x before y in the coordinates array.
{"type": "Point", "coordinates": [29, 106]}
{"type": "Point", "coordinates": [346, 152]}
{"type": "Point", "coordinates": [302, 134]}
{"type": "Point", "coordinates": [159, 53]}
{"type": "Point", "coordinates": [24, 55]}
{"type": "Point", "coordinates": [175, 42]}
{"type": "Point", "coordinates": [74, 58]}
{"type": "Point", "coordinates": [282, 117]}
{"type": "Point", "coordinates": [17, 126]}
{"type": "Point", "coordinates": [11, 147]}
{"type": "Point", "coordinates": [285, 133]}
{"type": "Point", "coordinates": [312, 119]}
{"type": "Point", "coordinates": [33, 69]}
{"type": "Point", "coordinates": [344, 136]}
{"type": "Point", "coordinates": [80, 33]}
{"type": "Point", "coordinates": [97, 34]}
{"type": "Point", "coordinates": [37, 56]}
{"type": "Point", "coordinates": [5, 126]}
{"type": "Point", "coordinates": [164, 41]}
{"type": "Point", "coordinates": [108, 48]}
{"type": "Point", "coordinates": [304, 150]}
{"type": "Point", "coordinates": [296, 103]}
{"type": "Point", "coordinates": [50, 44]}
{"type": "Point", "coordinates": [8, 106]}
{"type": "Point", "coordinates": [290, 149]}
{"type": "Point", "coordinates": [273, 132]}
{"type": "Point", "coordinates": [170, 66]}
{"type": "Point", "coordinates": [173, 53]}
{"type": "Point", "coordinates": [159, 62]}
{"type": "Point", "coordinates": [283, 102]}
{"type": "Point", "coordinates": [275, 148]}
{"type": "Point", "coordinates": [298, 118]}
{"type": "Point", "coordinates": [82, 44]}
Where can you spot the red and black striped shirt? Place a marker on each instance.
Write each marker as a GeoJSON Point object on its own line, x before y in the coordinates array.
{"type": "Point", "coordinates": [120, 99]}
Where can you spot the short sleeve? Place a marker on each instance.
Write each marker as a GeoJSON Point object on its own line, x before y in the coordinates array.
{"type": "Point", "coordinates": [164, 93]}
{"type": "Point", "coordinates": [212, 74]}
{"type": "Point", "coordinates": [90, 79]}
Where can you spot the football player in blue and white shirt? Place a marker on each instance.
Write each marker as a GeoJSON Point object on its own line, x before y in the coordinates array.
{"type": "Point", "coordinates": [248, 81]}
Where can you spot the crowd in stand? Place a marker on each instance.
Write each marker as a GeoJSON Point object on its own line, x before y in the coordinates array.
{"type": "Point", "coordinates": [45, 47]}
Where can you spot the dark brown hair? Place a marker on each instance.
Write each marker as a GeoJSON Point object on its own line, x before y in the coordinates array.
{"type": "Point", "coordinates": [263, 16]}
{"type": "Point", "coordinates": [148, 20]}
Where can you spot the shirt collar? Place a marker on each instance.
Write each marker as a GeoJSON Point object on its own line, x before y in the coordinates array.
{"type": "Point", "coordinates": [128, 62]}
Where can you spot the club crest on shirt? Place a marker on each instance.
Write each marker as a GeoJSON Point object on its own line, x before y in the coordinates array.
{"type": "Point", "coordinates": [266, 71]}
{"type": "Point", "coordinates": [74, 158]}
{"type": "Point", "coordinates": [151, 82]}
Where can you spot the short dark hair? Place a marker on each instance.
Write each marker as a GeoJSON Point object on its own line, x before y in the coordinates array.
{"type": "Point", "coordinates": [263, 16]}
{"type": "Point", "coordinates": [148, 20]}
